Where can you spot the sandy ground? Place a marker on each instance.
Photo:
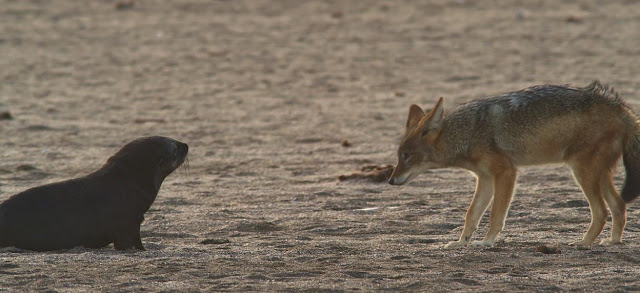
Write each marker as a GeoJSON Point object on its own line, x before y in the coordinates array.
{"type": "Point", "coordinates": [264, 92]}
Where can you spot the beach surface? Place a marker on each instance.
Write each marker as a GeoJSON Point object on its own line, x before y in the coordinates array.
{"type": "Point", "coordinates": [276, 99]}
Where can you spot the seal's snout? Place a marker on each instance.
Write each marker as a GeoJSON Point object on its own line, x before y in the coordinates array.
{"type": "Point", "coordinates": [181, 154]}
{"type": "Point", "coordinates": [183, 149]}
{"type": "Point", "coordinates": [392, 181]}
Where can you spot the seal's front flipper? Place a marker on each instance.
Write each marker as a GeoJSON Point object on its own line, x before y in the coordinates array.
{"type": "Point", "coordinates": [128, 237]}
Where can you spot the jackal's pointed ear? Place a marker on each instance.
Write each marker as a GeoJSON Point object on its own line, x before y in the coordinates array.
{"type": "Point", "coordinates": [433, 119]}
{"type": "Point", "coordinates": [415, 115]}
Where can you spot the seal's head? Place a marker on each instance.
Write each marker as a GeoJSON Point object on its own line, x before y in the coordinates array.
{"type": "Point", "coordinates": [150, 158]}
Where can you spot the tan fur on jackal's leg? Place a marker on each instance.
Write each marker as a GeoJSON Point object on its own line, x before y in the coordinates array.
{"type": "Point", "coordinates": [504, 185]}
{"type": "Point", "coordinates": [618, 211]}
{"type": "Point", "coordinates": [479, 204]}
{"type": "Point", "coordinates": [588, 179]}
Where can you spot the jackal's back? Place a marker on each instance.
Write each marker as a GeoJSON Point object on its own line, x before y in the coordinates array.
{"type": "Point", "coordinates": [540, 124]}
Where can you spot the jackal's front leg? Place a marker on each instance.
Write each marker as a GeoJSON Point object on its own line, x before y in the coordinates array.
{"type": "Point", "coordinates": [504, 184]}
{"type": "Point", "coordinates": [481, 199]}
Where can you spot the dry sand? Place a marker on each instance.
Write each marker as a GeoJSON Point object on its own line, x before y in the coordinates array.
{"type": "Point", "coordinates": [264, 92]}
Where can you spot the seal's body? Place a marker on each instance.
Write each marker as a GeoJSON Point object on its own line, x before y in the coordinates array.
{"type": "Point", "coordinates": [106, 206]}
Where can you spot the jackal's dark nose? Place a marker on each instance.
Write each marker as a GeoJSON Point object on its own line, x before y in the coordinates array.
{"type": "Point", "coordinates": [392, 181]}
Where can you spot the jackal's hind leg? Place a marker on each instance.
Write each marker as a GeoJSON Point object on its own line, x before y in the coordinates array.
{"type": "Point", "coordinates": [618, 210]}
{"type": "Point", "coordinates": [589, 181]}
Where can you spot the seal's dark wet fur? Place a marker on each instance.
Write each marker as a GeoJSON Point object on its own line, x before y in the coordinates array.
{"type": "Point", "coordinates": [106, 206]}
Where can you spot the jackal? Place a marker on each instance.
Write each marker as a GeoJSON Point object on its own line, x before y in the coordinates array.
{"type": "Point", "coordinates": [587, 128]}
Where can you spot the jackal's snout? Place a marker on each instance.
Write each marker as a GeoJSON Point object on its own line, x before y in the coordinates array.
{"type": "Point", "coordinates": [399, 177]}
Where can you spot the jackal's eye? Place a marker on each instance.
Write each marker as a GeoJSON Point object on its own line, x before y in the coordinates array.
{"type": "Point", "coordinates": [405, 157]}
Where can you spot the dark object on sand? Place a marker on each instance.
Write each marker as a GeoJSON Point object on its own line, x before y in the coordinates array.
{"type": "Point", "coordinates": [5, 115]}
{"type": "Point", "coordinates": [373, 173]}
{"type": "Point", "coordinates": [124, 4]}
{"type": "Point", "coordinates": [548, 249]}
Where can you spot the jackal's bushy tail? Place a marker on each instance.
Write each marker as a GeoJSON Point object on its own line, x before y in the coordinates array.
{"type": "Point", "coordinates": [631, 158]}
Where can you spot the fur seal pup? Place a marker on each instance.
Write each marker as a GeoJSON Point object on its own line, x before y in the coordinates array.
{"type": "Point", "coordinates": [106, 206]}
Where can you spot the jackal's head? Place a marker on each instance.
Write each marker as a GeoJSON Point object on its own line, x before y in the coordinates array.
{"type": "Point", "coordinates": [417, 152]}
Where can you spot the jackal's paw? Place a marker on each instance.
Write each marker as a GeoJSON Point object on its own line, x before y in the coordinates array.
{"type": "Point", "coordinates": [581, 243]}
{"type": "Point", "coordinates": [455, 244]}
{"type": "Point", "coordinates": [609, 242]}
{"type": "Point", "coordinates": [482, 243]}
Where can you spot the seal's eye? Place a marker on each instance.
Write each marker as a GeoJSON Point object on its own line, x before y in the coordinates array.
{"type": "Point", "coordinates": [171, 151]}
